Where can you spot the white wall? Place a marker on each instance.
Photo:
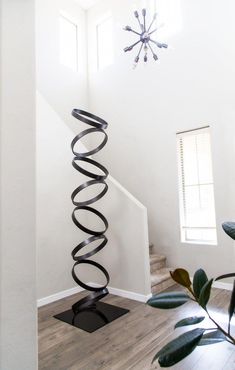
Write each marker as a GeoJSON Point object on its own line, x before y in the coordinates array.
{"type": "Point", "coordinates": [56, 179]}
{"type": "Point", "coordinates": [63, 88]}
{"type": "Point", "coordinates": [18, 331]}
{"type": "Point", "coordinates": [192, 85]}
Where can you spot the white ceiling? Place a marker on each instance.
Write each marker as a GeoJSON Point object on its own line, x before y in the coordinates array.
{"type": "Point", "coordinates": [86, 4]}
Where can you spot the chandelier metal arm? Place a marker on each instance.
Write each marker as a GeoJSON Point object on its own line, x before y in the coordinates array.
{"type": "Point", "coordinates": [150, 33]}
{"type": "Point", "coordinates": [146, 52]}
{"type": "Point", "coordinates": [144, 17]}
{"type": "Point", "coordinates": [155, 57]}
{"type": "Point", "coordinates": [137, 33]}
{"type": "Point", "coordinates": [154, 18]}
{"type": "Point", "coordinates": [128, 28]}
{"type": "Point", "coordinates": [141, 47]}
{"type": "Point", "coordinates": [159, 44]}
{"type": "Point", "coordinates": [129, 48]}
{"type": "Point", "coordinates": [137, 17]}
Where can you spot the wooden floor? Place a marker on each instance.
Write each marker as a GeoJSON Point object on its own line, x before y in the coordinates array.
{"type": "Point", "coordinates": [130, 342]}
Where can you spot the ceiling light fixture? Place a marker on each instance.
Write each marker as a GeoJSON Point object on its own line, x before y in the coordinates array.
{"type": "Point", "coordinates": [145, 38]}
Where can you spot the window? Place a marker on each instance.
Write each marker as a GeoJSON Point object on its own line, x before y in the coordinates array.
{"type": "Point", "coordinates": [68, 43]}
{"type": "Point", "coordinates": [196, 190]}
{"type": "Point", "coordinates": [104, 32]}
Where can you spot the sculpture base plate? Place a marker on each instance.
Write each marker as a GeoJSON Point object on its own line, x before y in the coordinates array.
{"type": "Point", "coordinates": [91, 320]}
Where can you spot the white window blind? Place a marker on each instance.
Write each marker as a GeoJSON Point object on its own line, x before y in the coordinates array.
{"type": "Point", "coordinates": [104, 43]}
{"type": "Point", "coordinates": [196, 190]}
{"type": "Point", "coordinates": [68, 43]}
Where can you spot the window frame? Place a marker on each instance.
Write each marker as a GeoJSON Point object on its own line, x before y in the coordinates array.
{"type": "Point", "coordinates": [73, 22]}
{"type": "Point", "coordinates": [181, 192]}
{"type": "Point", "coordinates": [99, 22]}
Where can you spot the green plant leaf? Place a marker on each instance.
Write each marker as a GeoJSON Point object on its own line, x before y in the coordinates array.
{"type": "Point", "coordinates": [199, 280]}
{"type": "Point", "coordinates": [168, 300]}
{"type": "Point", "coordinates": [225, 276]}
{"type": "Point", "coordinates": [229, 228]}
{"type": "Point", "coordinates": [181, 276]}
{"type": "Point", "coordinates": [179, 348]}
{"type": "Point", "coordinates": [211, 338]}
{"type": "Point", "coordinates": [232, 303]}
{"type": "Point", "coordinates": [205, 294]}
{"type": "Point", "coordinates": [189, 321]}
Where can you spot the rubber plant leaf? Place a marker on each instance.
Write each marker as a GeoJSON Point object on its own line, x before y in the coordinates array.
{"type": "Point", "coordinates": [229, 228]}
{"type": "Point", "coordinates": [168, 300]}
{"type": "Point", "coordinates": [213, 337]}
{"type": "Point", "coordinates": [225, 276]}
{"type": "Point", "coordinates": [189, 321]}
{"type": "Point", "coordinates": [232, 303]}
{"type": "Point", "coordinates": [199, 280]}
{"type": "Point", "coordinates": [181, 277]}
{"type": "Point", "coordinates": [179, 348]}
{"type": "Point", "coordinates": [205, 294]}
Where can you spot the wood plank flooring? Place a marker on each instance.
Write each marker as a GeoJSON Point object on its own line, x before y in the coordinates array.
{"type": "Point", "coordinates": [130, 342]}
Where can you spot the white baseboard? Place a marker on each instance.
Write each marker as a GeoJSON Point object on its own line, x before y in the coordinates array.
{"type": "Point", "coordinates": [66, 293]}
{"type": "Point", "coordinates": [131, 295]}
{"type": "Point", "coordinates": [118, 292]}
{"type": "Point", "coordinates": [126, 294]}
{"type": "Point", "coordinates": [57, 296]}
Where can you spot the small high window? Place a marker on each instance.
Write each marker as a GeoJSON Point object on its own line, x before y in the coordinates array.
{"type": "Point", "coordinates": [196, 187]}
{"type": "Point", "coordinates": [104, 32]}
{"type": "Point", "coordinates": [68, 43]}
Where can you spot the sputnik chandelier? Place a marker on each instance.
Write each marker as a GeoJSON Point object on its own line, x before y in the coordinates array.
{"type": "Point", "coordinates": [145, 38]}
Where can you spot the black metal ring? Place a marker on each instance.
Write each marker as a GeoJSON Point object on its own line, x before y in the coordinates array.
{"type": "Point", "coordinates": [93, 151]}
{"type": "Point", "coordinates": [86, 185]}
{"type": "Point", "coordinates": [94, 121]}
{"type": "Point", "coordinates": [88, 173]}
{"type": "Point", "coordinates": [85, 229]}
{"type": "Point", "coordinates": [85, 303]}
{"type": "Point", "coordinates": [86, 286]}
{"type": "Point", "coordinates": [86, 242]}
{"type": "Point", "coordinates": [92, 309]}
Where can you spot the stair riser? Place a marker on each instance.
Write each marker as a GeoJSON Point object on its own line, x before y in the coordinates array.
{"type": "Point", "coordinates": [157, 266]}
{"type": "Point", "coordinates": [162, 286]}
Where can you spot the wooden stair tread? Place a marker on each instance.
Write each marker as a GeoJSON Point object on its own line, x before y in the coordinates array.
{"type": "Point", "coordinates": [160, 274]}
{"type": "Point", "coordinates": [154, 258]}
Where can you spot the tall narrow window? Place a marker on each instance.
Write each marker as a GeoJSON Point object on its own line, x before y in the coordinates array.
{"type": "Point", "coordinates": [104, 43]}
{"type": "Point", "coordinates": [196, 190]}
{"type": "Point", "coordinates": [68, 43]}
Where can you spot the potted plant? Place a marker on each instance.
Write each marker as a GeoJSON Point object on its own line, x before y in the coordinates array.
{"type": "Point", "coordinates": [199, 291]}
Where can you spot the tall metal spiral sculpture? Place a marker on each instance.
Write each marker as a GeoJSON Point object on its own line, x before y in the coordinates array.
{"type": "Point", "coordinates": [102, 313]}
{"type": "Point", "coordinates": [98, 125]}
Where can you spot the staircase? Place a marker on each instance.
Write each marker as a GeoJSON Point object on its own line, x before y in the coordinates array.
{"type": "Point", "coordinates": [160, 274]}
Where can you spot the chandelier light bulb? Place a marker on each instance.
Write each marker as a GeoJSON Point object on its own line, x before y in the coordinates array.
{"type": "Point", "coordinates": [136, 14]}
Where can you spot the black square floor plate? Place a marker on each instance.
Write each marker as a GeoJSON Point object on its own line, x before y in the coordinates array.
{"type": "Point", "coordinates": [91, 320]}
